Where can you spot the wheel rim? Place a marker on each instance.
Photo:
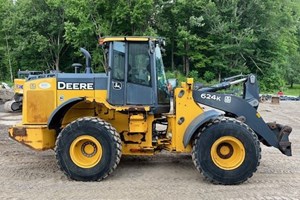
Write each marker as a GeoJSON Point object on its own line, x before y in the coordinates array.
{"type": "Point", "coordinates": [228, 153]}
{"type": "Point", "coordinates": [86, 151]}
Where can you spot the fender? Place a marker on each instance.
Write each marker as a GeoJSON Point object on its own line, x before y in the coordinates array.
{"type": "Point", "coordinates": [56, 116]}
{"type": "Point", "coordinates": [197, 123]}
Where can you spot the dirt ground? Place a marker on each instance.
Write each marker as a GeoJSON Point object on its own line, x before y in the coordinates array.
{"type": "Point", "coordinates": [26, 174]}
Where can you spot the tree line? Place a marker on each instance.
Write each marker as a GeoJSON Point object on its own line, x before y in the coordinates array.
{"type": "Point", "coordinates": [207, 39]}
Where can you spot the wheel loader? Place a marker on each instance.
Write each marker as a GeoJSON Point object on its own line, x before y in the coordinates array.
{"type": "Point", "coordinates": [92, 119]}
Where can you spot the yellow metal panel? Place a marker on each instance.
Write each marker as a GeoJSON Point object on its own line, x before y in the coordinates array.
{"type": "Point", "coordinates": [144, 148]}
{"type": "Point", "coordinates": [39, 106]}
{"type": "Point", "coordinates": [82, 109]}
{"type": "Point", "coordinates": [190, 81]}
{"type": "Point", "coordinates": [64, 95]}
{"type": "Point", "coordinates": [18, 85]}
{"type": "Point", "coordinates": [137, 124]}
{"type": "Point", "coordinates": [119, 120]}
{"type": "Point", "coordinates": [133, 137]}
{"type": "Point", "coordinates": [138, 39]}
{"type": "Point", "coordinates": [124, 38]}
{"type": "Point", "coordinates": [36, 137]}
{"type": "Point", "coordinates": [110, 39]}
{"type": "Point", "coordinates": [121, 123]}
{"type": "Point", "coordinates": [39, 100]}
{"type": "Point", "coordinates": [136, 149]}
{"type": "Point", "coordinates": [101, 97]}
{"type": "Point", "coordinates": [186, 111]}
{"type": "Point", "coordinates": [171, 132]}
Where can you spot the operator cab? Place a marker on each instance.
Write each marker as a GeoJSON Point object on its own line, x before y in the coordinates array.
{"type": "Point", "coordinates": [136, 75]}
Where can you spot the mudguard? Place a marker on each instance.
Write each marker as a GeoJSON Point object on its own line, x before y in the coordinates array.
{"type": "Point", "coordinates": [56, 116]}
{"type": "Point", "coordinates": [239, 108]}
{"type": "Point", "coordinates": [198, 122]}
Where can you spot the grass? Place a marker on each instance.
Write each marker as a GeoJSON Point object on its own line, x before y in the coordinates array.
{"type": "Point", "coordinates": [295, 91]}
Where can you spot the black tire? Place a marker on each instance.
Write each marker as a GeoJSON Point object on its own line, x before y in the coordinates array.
{"type": "Point", "coordinates": [15, 106]}
{"type": "Point", "coordinates": [102, 133]}
{"type": "Point", "coordinates": [204, 145]}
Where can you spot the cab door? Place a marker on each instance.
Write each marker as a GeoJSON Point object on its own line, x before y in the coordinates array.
{"type": "Point", "coordinates": [139, 86]}
{"type": "Point", "coordinates": [117, 60]}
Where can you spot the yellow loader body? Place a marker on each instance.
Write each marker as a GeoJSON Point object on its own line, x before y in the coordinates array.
{"type": "Point", "coordinates": [41, 98]}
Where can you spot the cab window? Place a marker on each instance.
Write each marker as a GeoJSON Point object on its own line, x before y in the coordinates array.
{"type": "Point", "coordinates": [118, 65]}
{"type": "Point", "coordinates": [139, 68]}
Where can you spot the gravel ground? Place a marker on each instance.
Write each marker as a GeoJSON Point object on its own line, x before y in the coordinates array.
{"type": "Point", "coordinates": [27, 174]}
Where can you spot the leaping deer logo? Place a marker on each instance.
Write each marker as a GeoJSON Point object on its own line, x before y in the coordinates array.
{"type": "Point", "coordinates": [117, 85]}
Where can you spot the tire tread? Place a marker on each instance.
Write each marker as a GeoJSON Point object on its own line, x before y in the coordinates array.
{"type": "Point", "coordinates": [114, 135]}
{"type": "Point", "coordinates": [217, 121]}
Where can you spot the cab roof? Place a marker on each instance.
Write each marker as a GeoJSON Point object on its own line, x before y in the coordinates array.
{"type": "Point", "coordinates": [128, 38]}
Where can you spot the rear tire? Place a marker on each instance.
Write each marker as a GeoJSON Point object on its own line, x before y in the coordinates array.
{"type": "Point", "coordinates": [226, 151]}
{"type": "Point", "coordinates": [88, 149]}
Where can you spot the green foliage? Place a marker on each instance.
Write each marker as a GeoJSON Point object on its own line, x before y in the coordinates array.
{"type": "Point", "coordinates": [272, 80]}
{"type": "Point", "coordinates": [34, 31]}
{"type": "Point", "coordinates": [292, 72]}
{"type": "Point", "coordinates": [208, 76]}
{"type": "Point", "coordinates": [194, 74]}
{"type": "Point", "coordinates": [206, 39]}
{"type": "Point", "coordinates": [176, 74]}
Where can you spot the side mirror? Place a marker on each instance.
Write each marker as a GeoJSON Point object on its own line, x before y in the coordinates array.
{"type": "Point", "coordinates": [173, 82]}
{"type": "Point", "coordinates": [76, 66]}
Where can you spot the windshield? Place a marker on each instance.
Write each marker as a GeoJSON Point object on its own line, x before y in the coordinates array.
{"type": "Point", "coordinates": [163, 97]}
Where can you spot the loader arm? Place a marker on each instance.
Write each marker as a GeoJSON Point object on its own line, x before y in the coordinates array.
{"type": "Point", "coordinates": [237, 107]}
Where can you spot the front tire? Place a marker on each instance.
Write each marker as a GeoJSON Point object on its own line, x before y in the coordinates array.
{"type": "Point", "coordinates": [226, 151]}
{"type": "Point", "coordinates": [88, 149]}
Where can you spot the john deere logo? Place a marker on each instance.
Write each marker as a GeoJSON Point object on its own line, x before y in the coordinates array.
{"type": "Point", "coordinates": [117, 85]}
{"type": "Point", "coordinates": [75, 86]}
{"type": "Point", "coordinates": [227, 99]}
